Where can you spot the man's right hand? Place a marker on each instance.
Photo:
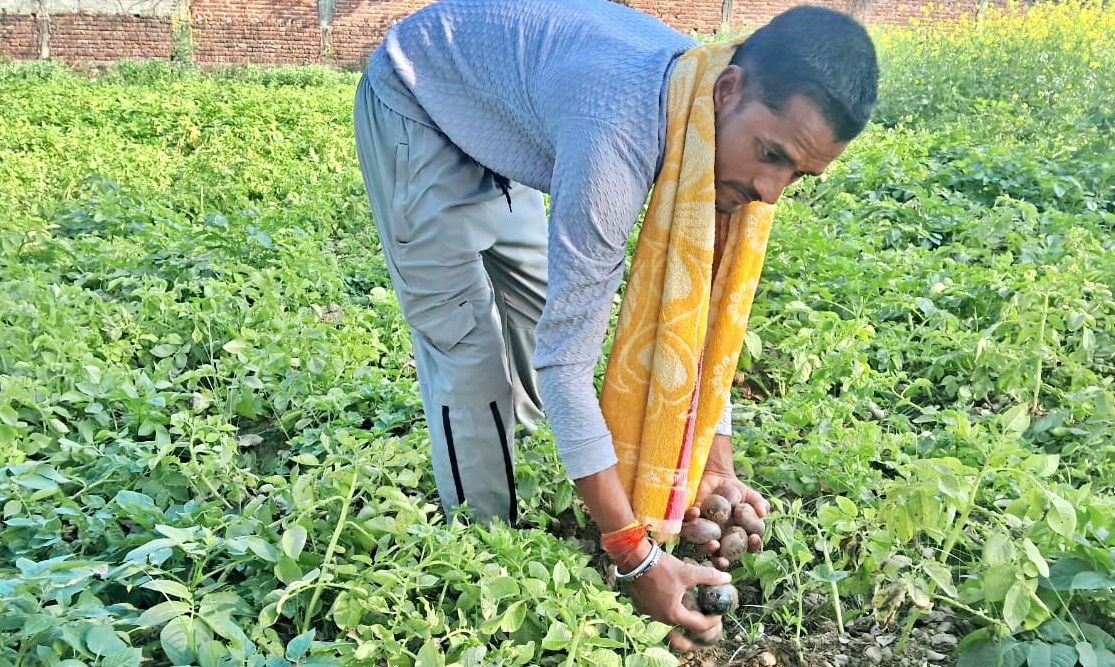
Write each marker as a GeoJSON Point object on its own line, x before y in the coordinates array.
{"type": "Point", "coordinates": [658, 594]}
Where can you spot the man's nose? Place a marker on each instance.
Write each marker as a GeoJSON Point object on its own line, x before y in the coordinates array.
{"type": "Point", "coordinates": [771, 185]}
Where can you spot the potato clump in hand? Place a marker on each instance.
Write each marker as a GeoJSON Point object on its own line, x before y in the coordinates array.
{"type": "Point", "coordinates": [725, 525]}
{"type": "Point", "coordinates": [723, 531]}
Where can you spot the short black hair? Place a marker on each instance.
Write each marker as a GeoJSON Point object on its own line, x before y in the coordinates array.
{"type": "Point", "coordinates": [820, 53]}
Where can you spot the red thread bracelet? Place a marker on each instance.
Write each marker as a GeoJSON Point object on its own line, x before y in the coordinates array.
{"type": "Point", "coordinates": [621, 544]}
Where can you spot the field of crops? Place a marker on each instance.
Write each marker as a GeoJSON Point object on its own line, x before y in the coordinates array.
{"type": "Point", "coordinates": [211, 447]}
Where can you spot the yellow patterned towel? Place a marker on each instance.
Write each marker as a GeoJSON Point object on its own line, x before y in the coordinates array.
{"type": "Point", "coordinates": [681, 329]}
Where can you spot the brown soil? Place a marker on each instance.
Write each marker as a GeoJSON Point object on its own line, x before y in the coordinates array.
{"type": "Point", "coordinates": [863, 643]}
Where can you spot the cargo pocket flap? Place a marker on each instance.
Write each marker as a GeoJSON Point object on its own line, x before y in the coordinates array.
{"type": "Point", "coordinates": [446, 325]}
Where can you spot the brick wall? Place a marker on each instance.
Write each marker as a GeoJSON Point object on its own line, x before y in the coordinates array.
{"type": "Point", "coordinates": [291, 32]}
{"type": "Point", "coordinates": [359, 25]}
{"type": "Point", "coordinates": [266, 33]}
{"type": "Point", "coordinates": [19, 39]}
{"type": "Point", "coordinates": [85, 38]}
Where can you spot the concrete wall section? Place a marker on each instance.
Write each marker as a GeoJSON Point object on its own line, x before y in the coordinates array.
{"type": "Point", "coordinates": [52, 7]}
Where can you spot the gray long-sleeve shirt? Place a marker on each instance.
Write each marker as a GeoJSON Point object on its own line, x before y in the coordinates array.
{"type": "Point", "coordinates": [567, 97]}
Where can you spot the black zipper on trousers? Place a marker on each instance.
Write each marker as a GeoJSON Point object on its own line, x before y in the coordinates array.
{"type": "Point", "coordinates": [508, 468]}
{"type": "Point", "coordinates": [452, 454]}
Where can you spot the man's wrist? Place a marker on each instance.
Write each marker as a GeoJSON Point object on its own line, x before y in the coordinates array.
{"type": "Point", "coordinates": [654, 553]}
{"type": "Point", "coordinates": [633, 558]}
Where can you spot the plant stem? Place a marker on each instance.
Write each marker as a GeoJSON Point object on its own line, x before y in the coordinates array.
{"type": "Point", "coordinates": [319, 585]}
{"type": "Point", "coordinates": [1041, 355]}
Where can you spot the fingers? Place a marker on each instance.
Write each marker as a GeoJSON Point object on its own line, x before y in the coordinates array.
{"type": "Point", "coordinates": [680, 642]}
{"type": "Point", "coordinates": [709, 576]}
{"type": "Point", "coordinates": [756, 500]}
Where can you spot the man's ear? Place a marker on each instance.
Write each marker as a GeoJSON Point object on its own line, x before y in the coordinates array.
{"type": "Point", "coordinates": [728, 89]}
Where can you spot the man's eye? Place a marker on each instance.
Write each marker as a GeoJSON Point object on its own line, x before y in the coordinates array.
{"type": "Point", "coordinates": [769, 155]}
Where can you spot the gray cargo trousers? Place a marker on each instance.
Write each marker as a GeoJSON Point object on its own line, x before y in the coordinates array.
{"type": "Point", "coordinates": [467, 259]}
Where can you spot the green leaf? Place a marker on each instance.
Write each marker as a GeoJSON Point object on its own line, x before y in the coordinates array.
{"type": "Point", "coordinates": [1105, 658]}
{"type": "Point", "coordinates": [1034, 554]}
{"type": "Point", "coordinates": [1086, 654]}
{"type": "Point", "coordinates": [602, 658]}
{"type": "Point", "coordinates": [211, 653]}
{"type": "Point", "coordinates": [1006, 652]}
{"type": "Point", "coordinates": [560, 575]}
{"type": "Point", "coordinates": [1055, 631]}
{"type": "Point", "coordinates": [1016, 605]}
{"type": "Point", "coordinates": [347, 610]}
{"type": "Point", "coordinates": [163, 612]}
{"type": "Point", "coordinates": [498, 588]}
{"type": "Point", "coordinates": [1091, 581]}
{"type": "Point", "coordinates": [1097, 636]}
{"type": "Point", "coordinates": [1016, 420]}
{"type": "Point", "coordinates": [1061, 516]}
{"type": "Point", "coordinates": [825, 573]}
{"type": "Point", "coordinates": [258, 546]}
{"type": "Point", "coordinates": [179, 536]}
{"type": "Point", "coordinates": [224, 626]}
{"type": "Point", "coordinates": [173, 589]}
{"type": "Point", "coordinates": [298, 647]}
{"type": "Point", "coordinates": [1062, 655]}
{"type": "Point", "coordinates": [557, 638]}
{"type": "Point", "coordinates": [998, 550]}
{"type": "Point", "coordinates": [9, 416]}
{"type": "Point", "coordinates": [236, 346]}
{"type": "Point", "coordinates": [997, 580]}
{"type": "Point", "coordinates": [429, 655]}
{"type": "Point", "coordinates": [287, 570]}
{"type": "Point", "coordinates": [948, 484]}
{"type": "Point", "coordinates": [138, 507]}
{"type": "Point", "coordinates": [294, 540]}
{"type": "Point", "coordinates": [101, 639]}
{"type": "Point", "coordinates": [1044, 654]}
{"type": "Point", "coordinates": [473, 656]}
{"type": "Point", "coordinates": [753, 343]}
{"type": "Point", "coordinates": [653, 656]}
{"type": "Point", "coordinates": [164, 350]}
{"type": "Point", "coordinates": [538, 571]}
{"type": "Point", "coordinates": [941, 575]}
{"type": "Point", "coordinates": [847, 506]}
{"type": "Point", "coordinates": [175, 640]}
{"type": "Point", "coordinates": [1039, 655]}
{"type": "Point", "coordinates": [513, 617]}
{"type": "Point", "coordinates": [129, 657]}
{"type": "Point", "coordinates": [1062, 573]}
{"type": "Point", "coordinates": [1042, 465]}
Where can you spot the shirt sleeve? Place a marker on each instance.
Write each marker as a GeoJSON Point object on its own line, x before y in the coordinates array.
{"type": "Point", "coordinates": [599, 187]}
{"type": "Point", "coordinates": [724, 426]}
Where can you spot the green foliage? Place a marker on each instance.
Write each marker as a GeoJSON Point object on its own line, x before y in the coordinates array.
{"type": "Point", "coordinates": [211, 444]}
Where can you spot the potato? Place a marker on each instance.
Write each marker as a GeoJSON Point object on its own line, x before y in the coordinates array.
{"type": "Point", "coordinates": [744, 515]}
{"type": "Point", "coordinates": [730, 493]}
{"type": "Point", "coordinates": [689, 600]}
{"type": "Point", "coordinates": [717, 599]}
{"type": "Point", "coordinates": [733, 543]}
{"type": "Point", "coordinates": [716, 508]}
{"type": "Point", "coordinates": [700, 531]}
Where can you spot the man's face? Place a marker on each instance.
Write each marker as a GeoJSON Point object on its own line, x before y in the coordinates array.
{"type": "Point", "coordinates": [759, 153]}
